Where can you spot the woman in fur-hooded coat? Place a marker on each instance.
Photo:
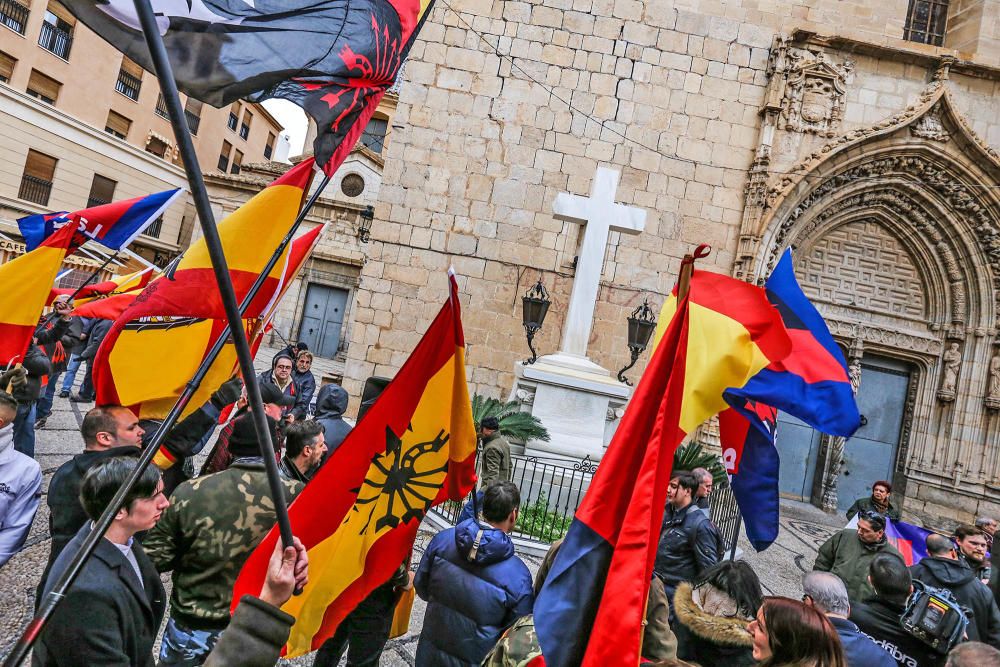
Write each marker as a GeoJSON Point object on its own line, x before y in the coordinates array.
{"type": "Point", "coordinates": [712, 616]}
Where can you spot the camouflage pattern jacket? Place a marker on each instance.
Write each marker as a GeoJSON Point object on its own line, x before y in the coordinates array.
{"type": "Point", "coordinates": [208, 532]}
{"type": "Point", "coordinates": [518, 647]}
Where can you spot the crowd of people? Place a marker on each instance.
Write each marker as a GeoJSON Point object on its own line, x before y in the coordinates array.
{"type": "Point", "coordinates": [860, 604]}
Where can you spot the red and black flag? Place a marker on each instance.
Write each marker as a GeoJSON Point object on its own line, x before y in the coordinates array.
{"type": "Point", "coordinates": [334, 58]}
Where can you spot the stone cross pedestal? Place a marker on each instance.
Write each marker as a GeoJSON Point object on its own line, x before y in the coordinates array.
{"type": "Point", "coordinates": [577, 400]}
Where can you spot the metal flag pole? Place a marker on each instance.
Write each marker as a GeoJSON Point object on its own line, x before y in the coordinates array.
{"type": "Point", "coordinates": [93, 275]}
{"type": "Point", "coordinates": [165, 76]}
{"type": "Point", "coordinates": [172, 99]}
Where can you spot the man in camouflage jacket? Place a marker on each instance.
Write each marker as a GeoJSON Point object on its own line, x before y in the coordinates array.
{"type": "Point", "coordinates": [212, 526]}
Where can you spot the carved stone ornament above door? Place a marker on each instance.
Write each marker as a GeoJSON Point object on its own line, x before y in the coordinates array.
{"type": "Point", "coordinates": [814, 93]}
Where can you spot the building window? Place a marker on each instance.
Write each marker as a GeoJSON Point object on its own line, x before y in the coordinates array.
{"type": "Point", "coordinates": [129, 79]}
{"type": "Point", "coordinates": [192, 111]}
{"type": "Point", "coordinates": [57, 30]}
{"type": "Point", "coordinates": [161, 107]}
{"type": "Point", "coordinates": [926, 21]}
{"type": "Point", "coordinates": [7, 63]}
{"type": "Point", "coordinates": [43, 87]}
{"type": "Point", "coordinates": [14, 15]}
{"type": "Point", "coordinates": [245, 127]}
{"type": "Point", "coordinates": [224, 156]}
{"type": "Point", "coordinates": [374, 135]}
{"type": "Point", "coordinates": [157, 147]}
{"type": "Point", "coordinates": [269, 146]}
{"type": "Point", "coordinates": [36, 182]}
{"type": "Point", "coordinates": [117, 125]}
{"type": "Point", "coordinates": [234, 118]}
{"type": "Point", "coordinates": [154, 229]}
{"type": "Point", "coordinates": [237, 162]}
{"type": "Point", "coordinates": [102, 191]}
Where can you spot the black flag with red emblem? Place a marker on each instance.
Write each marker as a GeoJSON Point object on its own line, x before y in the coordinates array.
{"type": "Point", "coordinates": [334, 58]}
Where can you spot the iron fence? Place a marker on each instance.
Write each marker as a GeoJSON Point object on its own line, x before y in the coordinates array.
{"type": "Point", "coordinates": [14, 15]}
{"type": "Point", "coordinates": [551, 492]}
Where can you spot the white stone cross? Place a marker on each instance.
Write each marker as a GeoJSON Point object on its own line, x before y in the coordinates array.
{"type": "Point", "coordinates": [601, 215]}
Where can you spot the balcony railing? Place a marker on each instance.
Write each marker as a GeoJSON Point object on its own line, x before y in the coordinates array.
{"type": "Point", "coordinates": [35, 189]}
{"type": "Point", "coordinates": [193, 121]}
{"type": "Point", "coordinates": [161, 107]}
{"type": "Point", "coordinates": [56, 40]}
{"type": "Point", "coordinates": [14, 15]}
{"type": "Point", "coordinates": [96, 201]}
{"type": "Point", "coordinates": [128, 85]}
{"type": "Point", "coordinates": [154, 229]}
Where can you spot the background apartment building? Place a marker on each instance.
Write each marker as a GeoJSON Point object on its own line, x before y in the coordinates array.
{"type": "Point", "coordinates": [82, 125]}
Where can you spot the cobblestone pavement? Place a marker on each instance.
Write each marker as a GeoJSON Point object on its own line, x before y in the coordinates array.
{"type": "Point", "coordinates": [780, 568]}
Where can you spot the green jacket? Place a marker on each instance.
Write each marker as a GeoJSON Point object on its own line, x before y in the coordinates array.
{"type": "Point", "coordinates": [210, 529]}
{"type": "Point", "coordinates": [496, 460]}
{"type": "Point", "coordinates": [862, 504]}
{"type": "Point", "coordinates": [848, 557]}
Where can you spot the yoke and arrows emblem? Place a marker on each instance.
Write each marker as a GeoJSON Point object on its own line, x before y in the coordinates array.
{"type": "Point", "coordinates": [400, 479]}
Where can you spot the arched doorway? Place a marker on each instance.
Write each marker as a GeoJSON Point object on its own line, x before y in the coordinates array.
{"type": "Point", "coordinates": [897, 242]}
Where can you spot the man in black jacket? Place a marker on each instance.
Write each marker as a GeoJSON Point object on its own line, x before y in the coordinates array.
{"type": "Point", "coordinates": [305, 382]}
{"type": "Point", "coordinates": [689, 542]}
{"type": "Point", "coordinates": [112, 612]}
{"type": "Point", "coordinates": [110, 432]}
{"type": "Point", "coordinates": [98, 332]}
{"type": "Point", "coordinates": [942, 569]}
{"type": "Point", "coordinates": [58, 351]}
{"type": "Point", "coordinates": [878, 617]}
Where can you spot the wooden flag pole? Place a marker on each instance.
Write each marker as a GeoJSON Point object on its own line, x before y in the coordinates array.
{"type": "Point", "coordinates": [687, 269]}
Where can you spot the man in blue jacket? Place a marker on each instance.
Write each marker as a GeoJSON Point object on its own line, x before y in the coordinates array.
{"type": "Point", "coordinates": [474, 585]}
{"type": "Point", "coordinates": [827, 593]}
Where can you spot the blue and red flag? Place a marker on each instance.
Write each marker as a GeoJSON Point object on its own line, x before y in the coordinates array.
{"type": "Point", "coordinates": [910, 541]}
{"type": "Point", "coordinates": [590, 610]}
{"type": "Point", "coordinates": [811, 383]}
{"type": "Point", "coordinates": [113, 225]}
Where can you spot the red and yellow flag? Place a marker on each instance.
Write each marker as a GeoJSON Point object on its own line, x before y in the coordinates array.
{"type": "Point", "coordinates": [358, 517]}
{"type": "Point", "coordinates": [26, 282]}
{"type": "Point", "coordinates": [117, 285]}
{"type": "Point", "coordinates": [155, 347]}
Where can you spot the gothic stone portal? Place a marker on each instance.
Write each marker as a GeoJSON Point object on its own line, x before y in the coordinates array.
{"type": "Point", "coordinates": [897, 242]}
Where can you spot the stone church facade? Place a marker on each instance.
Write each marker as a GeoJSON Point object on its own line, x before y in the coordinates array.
{"type": "Point", "coordinates": [752, 126]}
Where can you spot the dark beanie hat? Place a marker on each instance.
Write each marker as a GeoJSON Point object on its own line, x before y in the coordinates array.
{"type": "Point", "coordinates": [243, 439]}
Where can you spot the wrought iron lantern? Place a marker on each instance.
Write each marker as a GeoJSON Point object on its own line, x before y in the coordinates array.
{"type": "Point", "coordinates": [365, 223]}
{"type": "Point", "coordinates": [641, 325]}
{"type": "Point", "coordinates": [536, 305]}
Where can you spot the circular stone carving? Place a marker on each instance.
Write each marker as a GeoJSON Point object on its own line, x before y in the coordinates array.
{"type": "Point", "coordinates": [352, 185]}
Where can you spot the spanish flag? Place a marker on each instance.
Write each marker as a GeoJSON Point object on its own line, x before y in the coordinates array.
{"type": "Point", "coordinates": [358, 517]}
{"type": "Point", "coordinates": [117, 285]}
{"type": "Point", "coordinates": [590, 610]}
{"type": "Point", "coordinates": [26, 283]}
{"type": "Point", "coordinates": [157, 343]}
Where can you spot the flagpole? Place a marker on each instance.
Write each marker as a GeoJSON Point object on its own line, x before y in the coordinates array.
{"type": "Point", "coordinates": [168, 86]}
{"type": "Point", "coordinates": [93, 275]}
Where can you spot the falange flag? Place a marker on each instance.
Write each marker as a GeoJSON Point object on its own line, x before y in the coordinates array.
{"type": "Point", "coordinates": [334, 58]}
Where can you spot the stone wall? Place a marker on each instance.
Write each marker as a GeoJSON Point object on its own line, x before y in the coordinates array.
{"type": "Point", "coordinates": [669, 93]}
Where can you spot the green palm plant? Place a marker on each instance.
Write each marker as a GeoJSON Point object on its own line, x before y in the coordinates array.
{"type": "Point", "coordinates": [514, 424]}
{"type": "Point", "coordinates": [692, 455]}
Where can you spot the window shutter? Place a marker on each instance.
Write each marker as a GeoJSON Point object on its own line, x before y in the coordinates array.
{"type": "Point", "coordinates": [40, 165]}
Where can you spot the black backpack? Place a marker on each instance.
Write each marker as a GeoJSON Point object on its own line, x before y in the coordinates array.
{"type": "Point", "coordinates": [935, 617]}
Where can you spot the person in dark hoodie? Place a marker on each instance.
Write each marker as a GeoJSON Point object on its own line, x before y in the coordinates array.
{"type": "Point", "coordinates": [35, 368]}
{"type": "Point", "coordinates": [98, 332]}
{"type": "Point", "coordinates": [943, 569]}
{"type": "Point", "coordinates": [330, 407]}
{"type": "Point", "coordinates": [878, 616]}
{"type": "Point", "coordinates": [712, 615]}
{"type": "Point", "coordinates": [58, 352]}
{"type": "Point", "coordinates": [474, 585]}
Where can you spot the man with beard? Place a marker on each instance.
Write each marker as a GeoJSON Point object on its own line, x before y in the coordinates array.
{"type": "Point", "coordinates": [972, 549]}
{"type": "Point", "coordinates": [849, 552]}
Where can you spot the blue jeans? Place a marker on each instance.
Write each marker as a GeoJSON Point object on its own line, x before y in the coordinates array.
{"type": "Point", "coordinates": [185, 647]}
{"type": "Point", "coordinates": [24, 429]}
{"type": "Point", "coordinates": [44, 404]}
{"type": "Point", "coordinates": [71, 368]}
